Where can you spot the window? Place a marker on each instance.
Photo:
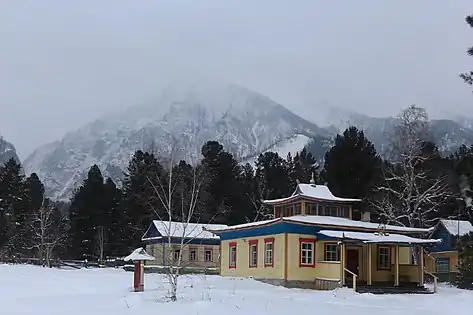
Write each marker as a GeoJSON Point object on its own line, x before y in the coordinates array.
{"type": "Point", "coordinates": [232, 255]}
{"type": "Point", "coordinates": [269, 252]}
{"type": "Point", "coordinates": [297, 209]}
{"type": "Point", "coordinates": [208, 254]}
{"type": "Point", "coordinates": [288, 211]}
{"type": "Point", "coordinates": [307, 249]}
{"type": "Point", "coordinates": [442, 265]}
{"type": "Point", "coordinates": [345, 212]}
{"type": "Point", "coordinates": [253, 244]}
{"type": "Point", "coordinates": [322, 210]}
{"type": "Point", "coordinates": [176, 254]}
{"type": "Point", "coordinates": [277, 212]}
{"type": "Point", "coordinates": [333, 211]}
{"type": "Point", "coordinates": [193, 254]}
{"type": "Point", "coordinates": [311, 208]}
{"type": "Point", "coordinates": [332, 252]}
{"type": "Point", "coordinates": [384, 257]}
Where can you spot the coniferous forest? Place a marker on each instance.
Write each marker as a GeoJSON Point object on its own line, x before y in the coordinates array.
{"type": "Point", "coordinates": [412, 185]}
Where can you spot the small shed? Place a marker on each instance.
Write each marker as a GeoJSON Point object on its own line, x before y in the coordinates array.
{"type": "Point", "coordinates": [444, 255]}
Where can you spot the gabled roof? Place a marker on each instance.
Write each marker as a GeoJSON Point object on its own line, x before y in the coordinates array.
{"type": "Point", "coordinates": [325, 221]}
{"type": "Point", "coordinates": [181, 230]}
{"type": "Point", "coordinates": [139, 254]}
{"type": "Point", "coordinates": [311, 191]}
{"type": "Point", "coordinates": [377, 238]}
{"type": "Point", "coordinates": [457, 227]}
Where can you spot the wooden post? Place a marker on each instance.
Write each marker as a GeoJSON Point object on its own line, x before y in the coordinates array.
{"type": "Point", "coordinates": [396, 266]}
{"type": "Point", "coordinates": [342, 264]}
{"type": "Point", "coordinates": [370, 261]}
{"type": "Point", "coordinates": [303, 208]}
{"type": "Point", "coordinates": [421, 264]}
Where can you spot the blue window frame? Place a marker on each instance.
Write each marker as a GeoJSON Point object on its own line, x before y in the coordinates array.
{"type": "Point", "coordinates": [442, 265]}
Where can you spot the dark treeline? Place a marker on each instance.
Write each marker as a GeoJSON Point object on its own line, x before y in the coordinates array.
{"type": "Point", "coordinates": [414, 188]}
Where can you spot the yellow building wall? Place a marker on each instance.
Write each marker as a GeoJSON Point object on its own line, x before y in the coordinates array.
{"type": "Point", "coordinates": [407, 272]}
{"type": "Point", "coordinates": [453, 255]}
{"type": "Point", "coordinates": [242, 262]}
{"type": "Point", "coordinates": [322, 269]}
{"type": "Point", "coordinates": [162, 254]}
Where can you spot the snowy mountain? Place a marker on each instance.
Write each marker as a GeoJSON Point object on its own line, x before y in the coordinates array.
{"type": "Point", "coordinates": [283, 148]}
{"type": "Point", "coordinates": [449, 134]}
{"type": "Point", "coordinates": [182, 118]}
{"type": "Point", "coordinates": [7, 151]}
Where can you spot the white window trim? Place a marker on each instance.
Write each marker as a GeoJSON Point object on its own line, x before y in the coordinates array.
{"type": "Point", "coordinates": [253, 255]}
{"type": "Point", "coordinates": [268, 262]}
{"type": "Point", "coordinates": [309, 251]}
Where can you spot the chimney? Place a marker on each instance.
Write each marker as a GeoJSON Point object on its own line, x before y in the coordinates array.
{"type": "Point", "coordinates": [366, 216]}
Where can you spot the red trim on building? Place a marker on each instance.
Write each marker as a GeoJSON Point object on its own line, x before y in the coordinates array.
{"type": "Point", "coordinates": [307, 240]}
{"type": "Point", "coordinates": [250, 243]}
{"type": "Point", "coordinates": [230, 245]}
{"type": "Point", "coordinates": [269, 240]}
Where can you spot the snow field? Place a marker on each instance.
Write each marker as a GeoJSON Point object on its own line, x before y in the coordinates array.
{"type": "Point", "coordinates": [33, 290]}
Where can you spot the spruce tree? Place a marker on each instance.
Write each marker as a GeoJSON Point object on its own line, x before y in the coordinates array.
{"type": "Point", "coordinates": [302, 167]}
{"type": "Point", "coordinates": [119, 229]}
{"type": "Point", "coordinates": [352, 165]}
{"type": "Point", "coordinates": [222, 193]}
{"type": "Point", "coordinates": [143, 176]}
{"type": "Point", "coordinates": [88, 218]}
{"type": "Point", "coordinates": [273, 175]}
{"type": "Point", "coordinates": [464, 278]}
{"type": "Point", "coordinates": [13, 210]}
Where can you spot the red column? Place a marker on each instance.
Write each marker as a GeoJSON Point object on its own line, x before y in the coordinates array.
{"type": "Point", "coordinates": [137, 276]}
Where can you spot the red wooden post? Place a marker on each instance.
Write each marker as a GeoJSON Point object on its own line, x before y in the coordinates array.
{"type": "Point", "coordinates": [139, 256]}
{"type": "Point", "coordinates": [137, 276]}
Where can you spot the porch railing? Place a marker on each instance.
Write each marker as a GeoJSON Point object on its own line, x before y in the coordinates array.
{"type": "Point", "coordinates": [354, 277]}
{"type": "Point", "coordinates": [435, 279]}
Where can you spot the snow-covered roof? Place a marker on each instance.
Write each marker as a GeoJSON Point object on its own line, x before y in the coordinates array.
{"type": "Point", "coordinates": [457, 227]}
{"type": "Point", "coordinates": [185, 230]}
{"type": "Point", "coordinates": [139, 254]}
{"type": "Point", "coordinates": [326, 221]}
{"type": "Point", "coordinates": [312, 191]}
{"type": "Point", "coordinates": [385, 238]}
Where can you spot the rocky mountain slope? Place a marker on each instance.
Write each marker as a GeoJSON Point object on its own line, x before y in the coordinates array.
{"type": "Point", "coordinates": [188, 113]}
{"type": "Point", "coordinates": [182, 118]}
{"type": "Point", "coordinates": [449, 134]}
{"type": "Point", "coordinates": [7, 151]}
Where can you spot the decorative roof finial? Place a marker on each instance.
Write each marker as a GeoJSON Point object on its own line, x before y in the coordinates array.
{"type": "Point", "coordinates": [312, 180]}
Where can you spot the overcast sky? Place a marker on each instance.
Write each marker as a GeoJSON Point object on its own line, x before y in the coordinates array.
{"type": "Point", "coordinates": [64, 63]}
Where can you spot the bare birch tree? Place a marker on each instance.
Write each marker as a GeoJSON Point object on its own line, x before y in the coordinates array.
{"type": "Point", "coordinates": [179, 195]}
{"type": "Point", "coordinates": [410, 192]}
{"type": "Point", "coordinates": [101, 240]}
{"type": "Point", "coordinates": [47, 232]}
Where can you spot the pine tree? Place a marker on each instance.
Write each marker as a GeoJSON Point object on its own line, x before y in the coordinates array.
{"type": "Point", "coordinates": [464, 278]}
{"type": "Point", "coordinates": [468, 76]}
{"type": "Point", "coordinates": [302, 167]}
{"type": "Point", "coordinates": [13, 210]}
{"type": "Point", "coordinates": [118, 239]}
{"type": "Point", "coordinates": [88, 218]}
{"type": "Point", "coordinates": [273, 175]}
{"type": "Point", "coordinates": [221, 193]}
{"type": "Point", "coordinates": [144, 173]}
{"type": "Point", "coordinates": [352, 165]}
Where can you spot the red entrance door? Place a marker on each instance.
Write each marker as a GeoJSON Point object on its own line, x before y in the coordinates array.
{"type": "Point", "coordinates": [353, 261]}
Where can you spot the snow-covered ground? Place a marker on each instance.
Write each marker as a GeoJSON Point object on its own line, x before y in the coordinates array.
{"type": "Point", "coordinates": [34, 290]}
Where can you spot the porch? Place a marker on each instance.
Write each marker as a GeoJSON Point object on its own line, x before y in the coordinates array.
{"type": "Point", "coordinates": [381, 263]}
